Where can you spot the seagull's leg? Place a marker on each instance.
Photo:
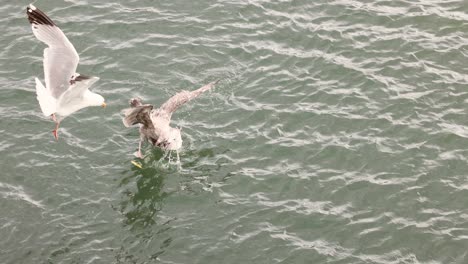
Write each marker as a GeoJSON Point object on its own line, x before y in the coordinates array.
{"type": "Point", "coordinates": [138, 153]}
{"type": "Point", "coordinates": [179, 166]}
{"type": "Point", "coordinates": [55, 131]}
{"type": "Point", "coordinates": [54, 118]}
{"type": "Point", "coordinates": [139, 148]}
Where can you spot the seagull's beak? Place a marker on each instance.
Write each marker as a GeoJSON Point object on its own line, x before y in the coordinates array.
{"type": "Point", "coordinates": [104, 105]}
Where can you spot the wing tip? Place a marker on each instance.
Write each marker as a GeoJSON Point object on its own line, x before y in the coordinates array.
{"type": "Point", "coordinates": [36, 16]}
{"type": "Point", "coordinates": [210, 85]}
{"type": "Point", "coordinates": [83, 79]}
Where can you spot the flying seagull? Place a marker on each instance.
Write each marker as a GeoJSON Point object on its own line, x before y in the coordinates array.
{"type": "Point", "coordinates": [155, 123]}
{"type": "Point", "coordinates": [65, 91]}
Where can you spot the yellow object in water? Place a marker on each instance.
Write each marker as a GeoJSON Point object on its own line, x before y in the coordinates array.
{"type": "Point", "coordinates": [137, 164]}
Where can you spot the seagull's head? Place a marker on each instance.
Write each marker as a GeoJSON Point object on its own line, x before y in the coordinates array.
{"type": "Point", "coordinates": [95, 99]}
{"type": "Point", "coordinates": [134, 102]}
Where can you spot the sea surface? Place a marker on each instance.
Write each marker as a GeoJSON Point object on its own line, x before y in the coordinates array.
{"type": "Point", "coordinates": [338, 134]}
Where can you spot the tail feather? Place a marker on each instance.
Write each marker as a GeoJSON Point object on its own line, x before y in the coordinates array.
{"type": "Point", "coordinates": [46, 101]}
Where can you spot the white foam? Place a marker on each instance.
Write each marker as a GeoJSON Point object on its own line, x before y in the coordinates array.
{"type": "Point", "coordinates": [8, 191]}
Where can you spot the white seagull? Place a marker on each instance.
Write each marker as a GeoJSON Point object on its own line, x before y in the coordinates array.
{"type": "Point", "coordinates": [66, 91]}
{"type": "Point", "coordinates": [155, 123]}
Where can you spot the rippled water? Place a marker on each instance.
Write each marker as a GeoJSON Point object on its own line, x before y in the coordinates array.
{"type": "Point", "coordinates": [339, 134]}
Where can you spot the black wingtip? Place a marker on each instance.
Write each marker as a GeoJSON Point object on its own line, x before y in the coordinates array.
{"type": "Point", "coordinates": [82, 77]}
{"type": "Point", "coordinates": [36, 16]}
{"type": "Point", "coordinates": [79, 78]}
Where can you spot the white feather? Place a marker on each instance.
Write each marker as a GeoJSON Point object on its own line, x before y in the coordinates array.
{"type": "Point", "coordinates": [46, 101]}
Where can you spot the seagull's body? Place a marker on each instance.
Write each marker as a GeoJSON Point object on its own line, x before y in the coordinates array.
{"type": "Point", "coordinates": [155, 123]}
{"type": "Point", "coordinates": [65, 91]}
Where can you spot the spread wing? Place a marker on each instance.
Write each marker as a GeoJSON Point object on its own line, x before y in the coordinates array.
{"type": "Point", "coordinates": [138, 115]}
{"type": "Point", "coordinates": [171, 105]}
{"type": "Point", "coordinates": [60, 58]}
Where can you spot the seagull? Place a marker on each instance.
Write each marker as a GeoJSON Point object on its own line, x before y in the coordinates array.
{"type": "Point", "coordinates": [65, 91]}
{"type": "Point", "coordinates": [155, 123]}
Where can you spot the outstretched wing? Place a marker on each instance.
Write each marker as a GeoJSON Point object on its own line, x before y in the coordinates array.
{"type": "Point", "coordinates": [138, 115]}
{"type": "Point", "coordinates": [60, 58]}
{"type": "Point", "coordinates": [171, 105]}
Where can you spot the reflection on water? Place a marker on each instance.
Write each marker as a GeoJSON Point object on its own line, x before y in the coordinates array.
{"type": "Point", "coordinates": [143, 195]}
{"type": "Point", "coordinates": [144, 192]}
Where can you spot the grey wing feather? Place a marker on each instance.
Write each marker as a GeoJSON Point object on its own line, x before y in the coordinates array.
{"type": "Point", "coordinates": [138, 115]}
{"type": "Point", "coordinates": [183, 97]}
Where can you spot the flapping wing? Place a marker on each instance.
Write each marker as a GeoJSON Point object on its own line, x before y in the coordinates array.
{"type": "Point", "coordinates": [183, 97]}
{"type": "Point", "coordinates": [138, 115]}
{"type": "Point", "coordinates": [60, 58]}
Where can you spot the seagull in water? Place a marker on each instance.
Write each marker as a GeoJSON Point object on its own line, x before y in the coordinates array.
{"type": "Point", "coordinates": [155, 123]}
{"type": "Point", "coordinates": [66, 91]}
